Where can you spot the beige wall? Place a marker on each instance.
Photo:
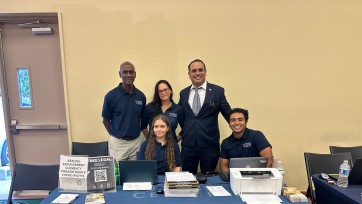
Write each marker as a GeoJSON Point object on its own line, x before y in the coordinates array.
{"type": "Point", "coordinates": [296, 65]}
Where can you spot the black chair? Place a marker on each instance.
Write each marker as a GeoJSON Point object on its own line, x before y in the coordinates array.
{"type": "Point", "coordinates": [33, 177]}
{"type": "Point", "coordinates": [90, 149]}
{"type": "Point", "coordinates": [323, 163]}
{"type": "Point", "coordinates": [356, 152]}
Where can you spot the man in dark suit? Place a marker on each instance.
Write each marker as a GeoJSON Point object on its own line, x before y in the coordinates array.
{"type": "Point", "coordinates": [201, 103]}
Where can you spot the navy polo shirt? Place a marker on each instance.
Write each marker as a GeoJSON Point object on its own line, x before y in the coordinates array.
{"type": "Point", "coordinates": [174, 114]}
{"type": "Point", "coordinates": [160, 156]}
{"type": "Point", "coordinates": [126, 112]}
{"type": "Point", "coordinates": [249, 145]}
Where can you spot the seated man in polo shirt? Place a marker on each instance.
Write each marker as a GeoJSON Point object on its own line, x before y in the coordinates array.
{"type": "Point", "coordinates": [243, 142]}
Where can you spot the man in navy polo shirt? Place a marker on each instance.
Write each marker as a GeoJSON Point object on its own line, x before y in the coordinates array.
{"type": "Point", "coordinates": [123, 115]}
{"type": "Point", "coordinates": [243, 142]}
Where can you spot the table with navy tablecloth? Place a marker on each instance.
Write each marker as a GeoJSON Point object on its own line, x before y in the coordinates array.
{"type": "Point", "coordinates": [145, 197]}
{"type": "Point", "coordinates": [328, 193]}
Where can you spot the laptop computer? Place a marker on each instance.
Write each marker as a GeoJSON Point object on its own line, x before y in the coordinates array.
{"type": "Point", "coordinates": [355, 175]}
{"type": "Point", "coordinates": [138, 171]}
{"type": "Point", "coordinates": [248, 162]}
{"type": "Point", "coordinates": [244, 162]}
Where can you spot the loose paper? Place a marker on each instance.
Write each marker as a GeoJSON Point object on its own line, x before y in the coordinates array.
{"type": "Point", "coordinates": [65, 198]}
{"type": "Point", "coordinates": [260, 198]}
{"type": "Point", "coordinates": [218, 191]}
{"type": "Point", "coordinates": [141, 186]}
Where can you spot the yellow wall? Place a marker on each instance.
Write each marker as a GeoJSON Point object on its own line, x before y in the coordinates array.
{"type": "Point", "coordinates": [296, 65]}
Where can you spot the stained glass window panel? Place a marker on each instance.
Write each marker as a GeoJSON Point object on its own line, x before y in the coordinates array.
{"type": "Point", "coordinates": [24, 88]}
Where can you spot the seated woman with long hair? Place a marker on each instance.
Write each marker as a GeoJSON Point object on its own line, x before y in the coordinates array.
{"type": "Point", "coordinates": [161, 147]}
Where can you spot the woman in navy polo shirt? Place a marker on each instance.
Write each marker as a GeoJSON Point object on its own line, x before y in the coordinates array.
{"type": "Point", "coordinates": [163, 103]}
{"type": "Point", "coordinates": [161, 147]}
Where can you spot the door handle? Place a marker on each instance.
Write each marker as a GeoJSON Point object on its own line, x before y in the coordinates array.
{"type": "Point", "coordinates": [14, 127]}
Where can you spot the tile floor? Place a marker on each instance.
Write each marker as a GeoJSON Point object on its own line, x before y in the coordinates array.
{"type": "Point", "coordinates": [5, 180]}
{"type": "Point", "coordinates": [4, 188]}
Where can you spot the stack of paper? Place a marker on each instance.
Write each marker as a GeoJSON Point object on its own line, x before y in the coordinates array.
{"type": "Point", "coordinates": [180, 184]}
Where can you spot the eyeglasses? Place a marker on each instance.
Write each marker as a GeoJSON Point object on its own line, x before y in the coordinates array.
{"type": "Point", "coordinates": [166, 90]}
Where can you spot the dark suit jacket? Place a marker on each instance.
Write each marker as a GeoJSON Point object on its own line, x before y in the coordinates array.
{"type": "Point", "coordinates": [203, 129]}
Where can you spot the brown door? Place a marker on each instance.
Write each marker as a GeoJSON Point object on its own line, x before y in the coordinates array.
{"type": "Point", "coordinates": [33, 91]}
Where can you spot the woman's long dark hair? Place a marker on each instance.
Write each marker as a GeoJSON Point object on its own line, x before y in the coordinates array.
{"type": "Point", "coordinates": [151, 146]}
{"type": "Point", "coordinates": [156, 102]}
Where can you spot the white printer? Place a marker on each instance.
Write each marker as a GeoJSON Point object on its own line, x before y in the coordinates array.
{"type": "Point", "coordinates": [255, 180]}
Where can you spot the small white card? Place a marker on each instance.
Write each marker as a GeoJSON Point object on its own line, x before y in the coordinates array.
{"type": "Point", "coordinates": [260, 198]}
{"type": "Point", "coordinates": [139, 186]}
{"type": "Point", "coordinates": [218, 191]}
{"type": "Point", "coordinates": [65, 198]}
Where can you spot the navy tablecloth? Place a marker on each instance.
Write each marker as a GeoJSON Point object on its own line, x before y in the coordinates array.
{"type": "Point", "coordinates": [145, 197]}
{"type": "Point", "coordinates": [330, 194]}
